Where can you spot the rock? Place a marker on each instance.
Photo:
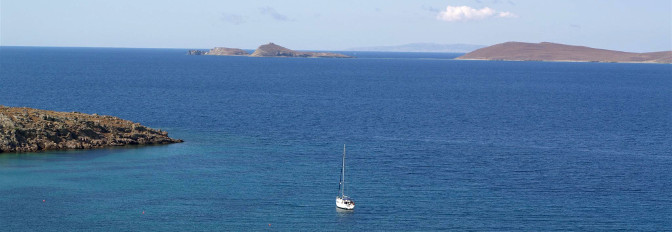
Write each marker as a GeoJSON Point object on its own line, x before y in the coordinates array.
{"type": "Point", "coordinates": [29, 130]}
{"type": "Point", "coordinates": [196, 52]}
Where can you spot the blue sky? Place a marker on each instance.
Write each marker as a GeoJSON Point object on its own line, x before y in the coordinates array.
{"type": "Point", "coordinates": [638, 26]}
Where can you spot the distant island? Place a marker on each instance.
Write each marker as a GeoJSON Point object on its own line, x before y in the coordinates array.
{"type": "Point", "coordinates": [30, 130]}
{"type": "Point", "coordinates": [422, 47]}
{"type": "Point", "coordinates": [267, 50]}
{"type": "Point", "coordinates": [545, 51]}
{"type": "Point", "coordinates": [220, 51]}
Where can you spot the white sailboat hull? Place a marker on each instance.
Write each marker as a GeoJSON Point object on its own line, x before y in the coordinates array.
{"type": "Point", "coordinates": [344, 204]}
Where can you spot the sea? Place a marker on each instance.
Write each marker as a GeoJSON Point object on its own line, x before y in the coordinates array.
{"type": "Point", "coordinates": [433, 144]}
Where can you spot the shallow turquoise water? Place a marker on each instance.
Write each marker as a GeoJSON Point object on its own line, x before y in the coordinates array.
{"type": "Point", "coordinates": [433, 144]}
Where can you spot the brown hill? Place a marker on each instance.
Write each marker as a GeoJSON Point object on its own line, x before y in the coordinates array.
{"type": "Point", "coordinates": [274, 50]}
{"type": "Point", "coordinates": [29, 130]}
{"type": "Point", "coordinates": [546, 51]}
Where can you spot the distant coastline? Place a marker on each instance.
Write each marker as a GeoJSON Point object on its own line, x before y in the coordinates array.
{"type": "Point", "coordinates": [266, 50]}
{"type": "Point", "coordinates": [421, 47]}
{"type": "Point", "coordinates": [545, 51]}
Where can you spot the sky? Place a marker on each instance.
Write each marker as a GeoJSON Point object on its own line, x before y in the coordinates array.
{"type": "Point", "coordinates": [624, 25]}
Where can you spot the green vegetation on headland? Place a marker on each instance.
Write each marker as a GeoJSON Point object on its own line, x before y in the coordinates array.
{"type": "Point", "coordinates": [266, 50]}
{"type": "Point", "coordinates": [30, 130]}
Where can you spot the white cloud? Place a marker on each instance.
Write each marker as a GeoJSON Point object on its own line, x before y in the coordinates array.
{"type": "Point", "coordinates": [465, 13]}
{"type": "Point", "coordinates": [507, 14]}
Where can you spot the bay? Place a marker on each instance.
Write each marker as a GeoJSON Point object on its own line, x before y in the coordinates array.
{"type": "Point", "coordinates": [433, 143]}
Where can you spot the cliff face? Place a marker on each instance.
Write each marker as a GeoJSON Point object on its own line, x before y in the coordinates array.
{"type": "Point", "coordinates": [29, 130]}
{"type": "Point", "coordinates": [560, 52]}
{"type": "Point", "coordinates": [274, 50]}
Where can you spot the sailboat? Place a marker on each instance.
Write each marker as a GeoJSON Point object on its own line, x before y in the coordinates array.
{"type": "Point", "coordinates": [343, 201]}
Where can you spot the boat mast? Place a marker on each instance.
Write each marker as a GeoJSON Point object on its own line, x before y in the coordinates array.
{"type": "Point", "coordinates": [343, 172]}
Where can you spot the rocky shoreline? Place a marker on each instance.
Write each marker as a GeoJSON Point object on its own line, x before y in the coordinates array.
{"type": "Point", "coordinates": [31, 130]}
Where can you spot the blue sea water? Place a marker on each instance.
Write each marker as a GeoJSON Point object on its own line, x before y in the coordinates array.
{"type": "Point", "coordinates": [433, 143]}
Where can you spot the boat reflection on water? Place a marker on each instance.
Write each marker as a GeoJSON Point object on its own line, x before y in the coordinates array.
{"type": "Point", "coordinates": [344, 212]}
{"type": "Point", "coordinates": [345, 215]}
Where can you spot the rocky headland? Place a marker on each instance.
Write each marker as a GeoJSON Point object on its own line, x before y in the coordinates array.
{"type": "Point", "coordinates": [220, 51]}
{"type": "Point", "coordinates": [267, 50]}
{"type": "Point", "coordinates": [30, 130]}
{"type": "Point", "coordinates": [274, 50]}
{"type": "Point", "coordinates": [545, 51]}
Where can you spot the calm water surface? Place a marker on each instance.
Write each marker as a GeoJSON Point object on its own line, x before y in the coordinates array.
{"type": "Point", "coordinates": [433, 143]}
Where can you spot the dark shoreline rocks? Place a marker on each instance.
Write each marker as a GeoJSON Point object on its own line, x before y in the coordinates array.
{"type": "Point", "coordinates": [31, 130]}
{"type": "Point", "coordinates": [196, 52]}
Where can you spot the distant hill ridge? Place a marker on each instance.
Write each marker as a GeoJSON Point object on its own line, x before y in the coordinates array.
{"type": "Point", "coordinates": [545, 51]}
{"type": "Point", "coordinates": [422, 47]}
